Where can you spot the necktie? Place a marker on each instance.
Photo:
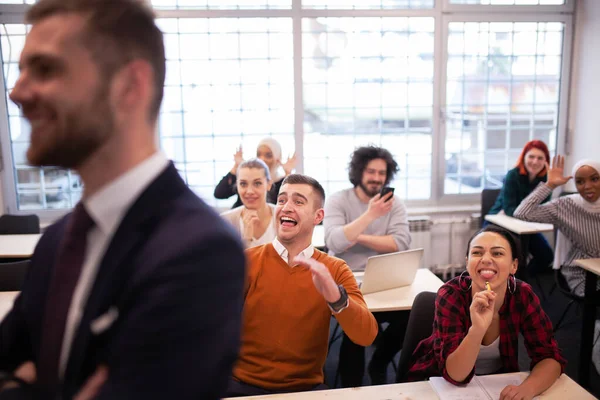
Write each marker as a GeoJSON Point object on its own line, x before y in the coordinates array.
{"type": "Point", "coordinates": [62, 285]}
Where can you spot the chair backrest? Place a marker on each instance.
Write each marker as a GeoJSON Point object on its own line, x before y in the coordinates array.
{"type": "Point", "coordinates": [488, 198]}
{"type": "Point", "coordinates": [19, 224]}
{"type": "Point", "coordinates": [420, 326]}
{"type": "Point", "coordinates": [12, 275]}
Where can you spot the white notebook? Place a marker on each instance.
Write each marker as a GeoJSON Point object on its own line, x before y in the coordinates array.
{"type": "Point", "coordinates": [485, 387]}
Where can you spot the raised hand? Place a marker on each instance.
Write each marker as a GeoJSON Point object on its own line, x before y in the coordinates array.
{"type": "Point", "coordinates": [556, 174]}
{"type": "Point", "coordinates": [238, 158]}
{"type": "Point", "coordinates": [322, 279]}
{"type": "Point", "coordinates": [289, 165]}
{"type": "Point", "coordinates": [482, 310]}
{"type": "Point", "coordinates": [251, 222]}
{"type": "Point", "coordinates": [378, 206]}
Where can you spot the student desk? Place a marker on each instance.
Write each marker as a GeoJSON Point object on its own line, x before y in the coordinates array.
{"type": "Point", "coordinates": [6, 302]}
{"type": "Point", "coordinates": [592, 268]}
{"type": "Point", "coordinates": [401, 299]}
{"type": "Point", "coordinates": [563, 388]}
{"type": "Point", "coordinates": [18, 246]}
{"type": "Point", "coordinates": [518, 226]}
{"type": "Point", "coordinates": [398, 299]}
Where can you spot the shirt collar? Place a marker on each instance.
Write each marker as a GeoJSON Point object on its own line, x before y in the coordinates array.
{"type": "Point", "coordinates": [108, 206]}
{"type": "Point", "coordinates": [283, 253]}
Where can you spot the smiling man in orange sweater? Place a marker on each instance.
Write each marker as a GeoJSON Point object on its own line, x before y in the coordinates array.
{"type": "Point", "coordinates": [291, 292]}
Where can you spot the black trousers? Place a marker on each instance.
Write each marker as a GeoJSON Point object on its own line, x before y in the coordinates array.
{"type": "Point", "coordinates": [351, 363]}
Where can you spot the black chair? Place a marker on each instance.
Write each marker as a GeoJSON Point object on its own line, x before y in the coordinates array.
{"type": "Point", "coordinates": [19, 224]}
{"type": "Point", "coordinates": [488, 198]}
{"type": "Point", "coordinates": [420, 326]}
{"type": "Point", "coordinates": [12, 275]}
{"type": "Point", "coordinates": [563, 287]}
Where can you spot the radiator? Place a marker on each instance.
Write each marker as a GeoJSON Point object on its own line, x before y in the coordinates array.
{"type": "Point", "coordinates": [420, 232]}
{"type": "Point", "coordinates": [450, 237]}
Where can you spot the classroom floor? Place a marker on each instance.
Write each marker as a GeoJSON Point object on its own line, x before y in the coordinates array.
{"type": "Point", "coordinates": [568, 337]}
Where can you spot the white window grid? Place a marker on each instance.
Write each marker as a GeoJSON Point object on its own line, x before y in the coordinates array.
{"type": "Point", "coordinates": [297, 14]}
{"type": "Point", "coordinates": [509, 96]}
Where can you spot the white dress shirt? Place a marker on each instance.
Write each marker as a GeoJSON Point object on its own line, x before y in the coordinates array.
{"type": "Point", "coordinates": [107, 208]}
{"type": "Point", "coordinates": [283, 253]}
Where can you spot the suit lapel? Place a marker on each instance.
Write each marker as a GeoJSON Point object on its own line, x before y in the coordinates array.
{"type": "Point", "coordinates": [116, 266]}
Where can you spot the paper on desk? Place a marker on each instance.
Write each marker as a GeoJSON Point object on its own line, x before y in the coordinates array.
{"type": "Point", "coordinates": [495, 384]}
{"type": "Point", "coordinates": [486, 387]}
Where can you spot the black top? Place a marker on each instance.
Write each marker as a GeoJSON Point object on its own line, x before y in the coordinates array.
{"type": "Point", "coordinates": [516, 187]}
{"type": "Point", "coordinates": [227, 188]}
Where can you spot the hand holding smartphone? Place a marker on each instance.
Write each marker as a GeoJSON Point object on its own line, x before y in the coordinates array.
{"type": "Point", "coordinates": [385, 190]}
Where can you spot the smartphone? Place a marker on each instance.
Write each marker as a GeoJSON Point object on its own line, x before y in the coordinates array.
{"type": "Point", "coordinates": [385, 190]}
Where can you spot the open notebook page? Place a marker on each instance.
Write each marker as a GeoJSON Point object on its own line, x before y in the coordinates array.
{"type": "Point", "coordinates": [447, 391]}
{"type": "Point", "coordinates": [495, 384]}
{"type": "Point", "coordinates": [486, 387]}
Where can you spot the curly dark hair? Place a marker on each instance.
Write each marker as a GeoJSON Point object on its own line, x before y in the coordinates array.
{"type": "Point", "coordinates": [364, 155]}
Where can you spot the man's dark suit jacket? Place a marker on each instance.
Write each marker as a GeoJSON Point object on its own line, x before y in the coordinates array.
{"type": "Point", "coordinates": [175, 273]}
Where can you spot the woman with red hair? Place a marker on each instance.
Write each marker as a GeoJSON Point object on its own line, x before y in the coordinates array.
{"type": "Point", "coordinates": [518, 183]}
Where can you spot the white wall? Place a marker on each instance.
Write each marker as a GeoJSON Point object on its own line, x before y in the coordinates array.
{"type": "Point", "coordinates": [584, 106]}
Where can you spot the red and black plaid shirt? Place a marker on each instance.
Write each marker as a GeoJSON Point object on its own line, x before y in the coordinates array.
{"type": "Point", "coordinates": [521, 312]}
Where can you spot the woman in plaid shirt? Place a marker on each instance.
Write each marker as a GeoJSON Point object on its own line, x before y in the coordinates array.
{"type": "Point", "coordinates": [476, 330]}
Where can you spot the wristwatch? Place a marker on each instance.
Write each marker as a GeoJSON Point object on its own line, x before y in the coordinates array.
{"type": "Point", "coordinates": [342, 303]}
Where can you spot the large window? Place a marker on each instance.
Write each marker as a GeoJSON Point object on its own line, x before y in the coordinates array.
{"type": "Point", "coordinates": [368, 80]}
{"type": "Point", "coordinates": [229, 83]}
{"type": "Point", "coordinates": [502, 90]}
{"type": "Point", "coordinates": [453, 88]}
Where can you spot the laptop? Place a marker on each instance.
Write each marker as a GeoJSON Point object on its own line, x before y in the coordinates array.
{"type": "Point", "coordinates": [390, 271]}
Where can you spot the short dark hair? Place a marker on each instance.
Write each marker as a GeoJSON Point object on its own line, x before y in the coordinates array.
{"type": "Point", "coordinates": [513, 241]}
{"type": "Point", "coordinates": [256, 163]}
{"type": "Point", "coordinates": [299, 179]}
{"type": "Point", "coordinates": [116, 32]}
{"type": "Point", "coordinates": [363, 156]}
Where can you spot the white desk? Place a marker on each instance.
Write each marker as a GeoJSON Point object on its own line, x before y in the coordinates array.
{"type": "Point", "coordinates": [518, 226]}
{"type": "Point", "coordinates": [18, 246]}
{"type": "Point", "coordinates": [401, 299]}
{"type": "Point", "coordinates": [592, 267]}
{"type": "Point", "coordinates": [318, 238]}
{"type": "Point", "coordinates": [564, 388]}
{"type": "Point", "coordinates": [6, 302]}
{"type": "Point", "coordinates": [590, 264]}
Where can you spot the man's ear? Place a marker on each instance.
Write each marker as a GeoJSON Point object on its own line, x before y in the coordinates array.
{"type": "Point", "coordinates": [319, 215]}
{"type": "Point", "coordinates": [132, 86]}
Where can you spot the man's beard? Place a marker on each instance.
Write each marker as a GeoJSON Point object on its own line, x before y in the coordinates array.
{"type": "Point", "coordinates": [78, 135]}
{"type": "Point", "coordinates": [370, 193]}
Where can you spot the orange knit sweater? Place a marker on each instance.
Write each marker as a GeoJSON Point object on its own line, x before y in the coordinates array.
{"type": "Point", "coordinates": [286, 321]}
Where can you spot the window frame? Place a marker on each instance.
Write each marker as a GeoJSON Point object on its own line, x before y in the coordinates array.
{"type": "Point", "coordinates": [449, 7]}
{"type": "Point", "coordinates": [443, 13]}
{"type": "Point", "coordinates": [563, 94]}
